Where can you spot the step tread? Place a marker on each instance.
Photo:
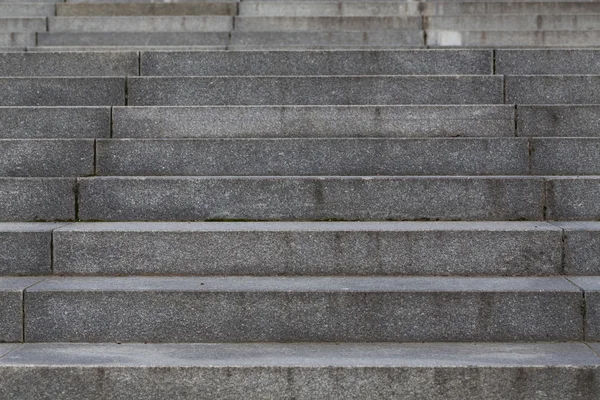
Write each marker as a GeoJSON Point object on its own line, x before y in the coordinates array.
{"type": "Point", "coordinates": [299, 355]}
{"type": "Point", "coordinates": [301, 284]}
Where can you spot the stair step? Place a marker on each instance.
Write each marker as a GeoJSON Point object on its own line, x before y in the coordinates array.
{"type": "Point", "coordinates": [316, 198]}
{"type": "Point", "coordinates": [32, 9]}
{"type": "Point", "coordinates": [591, 286]}
{"type": "Point", "coordinates": [43, 91]}
{"type": "Point", "coordinates": [349, 309]}
{"type": "Point", "coordinates": [69, 64]}
{"type": "Point", "coordinates": [133, 38]}
{"type": "Point", "coordinates": [553, 89]}
{"type": "Point", "coordinates": [573, 198]}
{"type": "Point", "coordinates": [410, 8]}
{"type": "Point", "coordinates": [558, 120]}
{"type": "Point", "coordinates": [141, 24]}
{"type": "Point", "coordinates": [547, 62]}
{"type": "Point", "coordinates": [25, 24]}
{"type": "Point", "coordinates": [490, 22]}
{"type": "Point", "coordinates": [348, 121]}
{"type": "Point", "coordinates": [46, 157]}
{"type": "Point", "coordinates": [277, 157]}
{"type": "Point", "coordinates": [17, 39]}
{"type": "Point", "coordinates": [54, 122]}
{"type": "Point", "coordinates": [461, 37]}
{"type": "Point", "coordinates": [311, 24]}
{"type": "Point", "coordinates": [26, 248]}
{"type": "Point", "coordinates": [315, 39]}
{"type": "Point", "coordinates": [312, 248]}
{"type": "Point", "coordinates": [383, 62]}
{"type": "Point", "coordinates": [329, 9]}
{"type": "Point", "coordinates": [145, 9]}
{"type": "Point", "coordinates": [323, 90]}
{"type": "Point", "coordinates": [490, 371]}
{"type": "Point", "coordinates": [581, 247]}
{"type": "Point", "coordinates": [510, 7]}
{"type": "Point", "coordinates": [37, 199]}
{"type": "Point", "coordinates": [126, 48]}
{"type": "Point", "coordinates": [11, 312]}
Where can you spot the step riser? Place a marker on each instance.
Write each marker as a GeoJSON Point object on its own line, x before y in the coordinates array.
{"type": "Point", "coordinates": [62, 91]}
{"type": "Point", "coordinates": [512, 39]}
{"type": "Point", "coordinates": [316, 90]}
{"type": "Point", "coordinates": [140, 24]}
{"type": "Point", "coordinates": [133, 38]}
{"type": "Point", "coordinates": [185, 199]}
{"type": "Point", "coordinates": [299, 63]}
{"type": "Point", "coordinates": [368, 39]}
{"type": "Point", "coordinates": [40, 158]}
{"type": "Point", "coordinates": [65, 123]}
{"type": "Point", "coordinates": [27, 10]}
{"type": "Point", "coordinates": [282, 250]}
{"type": "Point", "coordinates": [301, 198]}
{"type": "Point", "coordinates": [69, 64]}
{"type": "Point", "coordinates": [321, 157]}
{"type": "Point", "coordinates": [311, 24]}
{"type": "Point", "coordinates": [400, 62]}
{"type": "Point", "coordinates": [301, 371]}
{"type": "Point", "coordinates": [17, 39]}
{"type": "Point", "coordinates": [330, 121]}
{"type": "Point", "coordinates": [31, 24]}
{"type": "Point", "coordinates": [513, 22]}
{"type": "Point", "coordinates": [298, 157]}
{"type": "Point", "coordinates": [315, 310]}
{"type": "Point", "coordinates": [153, 9]}
{"type": "Point", "coordinates": [37, 199]}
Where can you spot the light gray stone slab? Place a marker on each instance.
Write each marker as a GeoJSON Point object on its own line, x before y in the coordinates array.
{"type": "Point", "coordinates": [310, 198]}
{"type": "Point", "coordinates": [553, 89]}
{"type": "Point", "coordinates": [54, 122]}
{"type": "Point", "coordinates": [132, 38]}
{"type": "Point", "coordinates": [37, 199]}
{"type": "Point", "coordinates": [591, 287]}
{"type": "Point", "coordinates": [27, 10]}
{"type": "Point", "coordinates": [11, 312]}
{"type": "Point", "coordinates": [46, 157]}
{"type": "Point", "coordinates": [141, 24]}
{"type": "Point", "coordinates": [512, 39]}
{"type": "Point", "coordinates": [509, 7]}
{"type": "Point", "coordinates": [314, 121]}
{"type": "Point", "coordinates": [276, 24]}
{"type": "Point", "coordinates": [548, 62]}
{"type": "Point", "coordinates": [573, 198]}
{"type": "Point", "coordinates": [280, 157]}
{"type": "Point", "coordinates": [152, 1]}
{"type": "Point", "coordinates": [505, 22]}
{"type": "Point", "coordinates": [323, 90]}
{"type": "Point", "coordinates": [145, 9]}
{"type": "Point", "coordinates": [558, 120]}
{"type": "Point", "coordinates": [200, 309]}
{"type": "Point", "coordinates": [328, 9]}
{"type": "Point", "coordinates": [239, 63]}
{"type": "Point", "coordinates": [69, 64]}
{"type": "Point", "coordinates": [25, 24]}
{"type": "Point", "coordinates": [482, 371]}
{"type": "Point", "coordinates": [126, 48]}
{"type": "Point", "coordinates": [565, 156]}
{"type": "Point", "coordinates": [17, 39]}
{"type": "Point", "coordinates": [339, 39]}
{"type": "Point", "coordinates": [26, 248]}
{"type": "Point", "coordinates": [309, 248]}
{"type": "Point", "coordinates": [45, 91]}
{"type": "Point", "coordinates": [581, 247]}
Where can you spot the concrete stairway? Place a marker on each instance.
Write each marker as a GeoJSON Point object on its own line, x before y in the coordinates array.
{"type": "Point", "coordinates": [349, 222]}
